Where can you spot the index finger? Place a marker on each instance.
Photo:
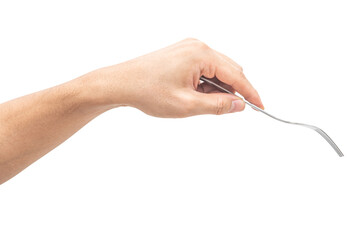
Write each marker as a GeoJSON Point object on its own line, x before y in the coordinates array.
{"type": "Point", "coordinates": [232, 74]}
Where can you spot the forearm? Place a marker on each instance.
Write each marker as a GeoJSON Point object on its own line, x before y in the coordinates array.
{"type": "Point", "coordinates": [33, 125]}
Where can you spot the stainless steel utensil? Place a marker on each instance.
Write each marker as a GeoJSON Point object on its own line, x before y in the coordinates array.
{"type": "Point", "coordinates": [318, 130]}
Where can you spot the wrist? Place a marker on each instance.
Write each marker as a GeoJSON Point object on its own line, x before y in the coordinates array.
{"type": "Point", "coordinates": [91, 92]}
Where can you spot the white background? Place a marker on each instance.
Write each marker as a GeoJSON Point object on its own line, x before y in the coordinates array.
{"type": "Point", "coordinates": [127, 175]}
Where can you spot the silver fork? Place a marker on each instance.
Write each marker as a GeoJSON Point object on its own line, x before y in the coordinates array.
{"type": "Point", "coordinates": [318, 130]}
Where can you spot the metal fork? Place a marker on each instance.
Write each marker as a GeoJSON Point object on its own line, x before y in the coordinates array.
{"type": "Point", "coordinates": [318, 130]}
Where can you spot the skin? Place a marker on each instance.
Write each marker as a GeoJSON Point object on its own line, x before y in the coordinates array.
{"type": "Point", "coordinates": [164, 83]}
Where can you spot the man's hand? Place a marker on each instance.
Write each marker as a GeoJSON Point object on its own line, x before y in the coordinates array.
{"type": "Point", "coordinates": [164, 83]}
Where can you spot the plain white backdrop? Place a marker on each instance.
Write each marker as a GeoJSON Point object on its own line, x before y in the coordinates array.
{"type": "Point", "coordinates": [127, 175]}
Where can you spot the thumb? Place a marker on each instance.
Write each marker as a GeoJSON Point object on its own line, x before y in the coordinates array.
{"type": "Point", "coordinates": [218, 103]}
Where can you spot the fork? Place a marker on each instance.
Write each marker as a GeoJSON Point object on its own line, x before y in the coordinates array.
{"type": "Point", "coordinates": [318, 130]}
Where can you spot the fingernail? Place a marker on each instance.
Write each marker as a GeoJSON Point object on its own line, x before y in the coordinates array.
{"type": "Point", "coordinates": [237, 105]}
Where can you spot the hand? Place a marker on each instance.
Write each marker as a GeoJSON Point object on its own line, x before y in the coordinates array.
{"type": "Point", "coordinates": [166, 83]}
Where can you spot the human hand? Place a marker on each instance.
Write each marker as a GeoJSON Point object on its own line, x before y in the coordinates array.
{"type": "Point", "coordinates": [166, 83]}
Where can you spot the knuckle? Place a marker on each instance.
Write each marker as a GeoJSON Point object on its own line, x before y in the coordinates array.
{"type": "Point", "coordinates": [241, 68]}
{"type": "Point", "coordinates": [197, 44]}
{"type": "Point", "coordinates": [189, 39]}
{"type": "Point", "coordinates": [220, 106]}
{"type": "Point", "coordinates": [242, 74]}
{"type": "Point", "coordinates": [203, 46]}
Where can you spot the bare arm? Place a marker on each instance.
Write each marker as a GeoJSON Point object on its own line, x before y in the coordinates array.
{"type": "Point", "coordinates": [163, 84]}
{"type": "Point", "coordinates": [33, 125]}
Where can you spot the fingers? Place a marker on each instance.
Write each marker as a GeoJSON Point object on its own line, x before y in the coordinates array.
{"type": "Point", "coordinates": [231, 73]}
{"type": "Point", "coordinates": [216, 103]}
{"type": "Point", "coordinates": [236, 65]}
